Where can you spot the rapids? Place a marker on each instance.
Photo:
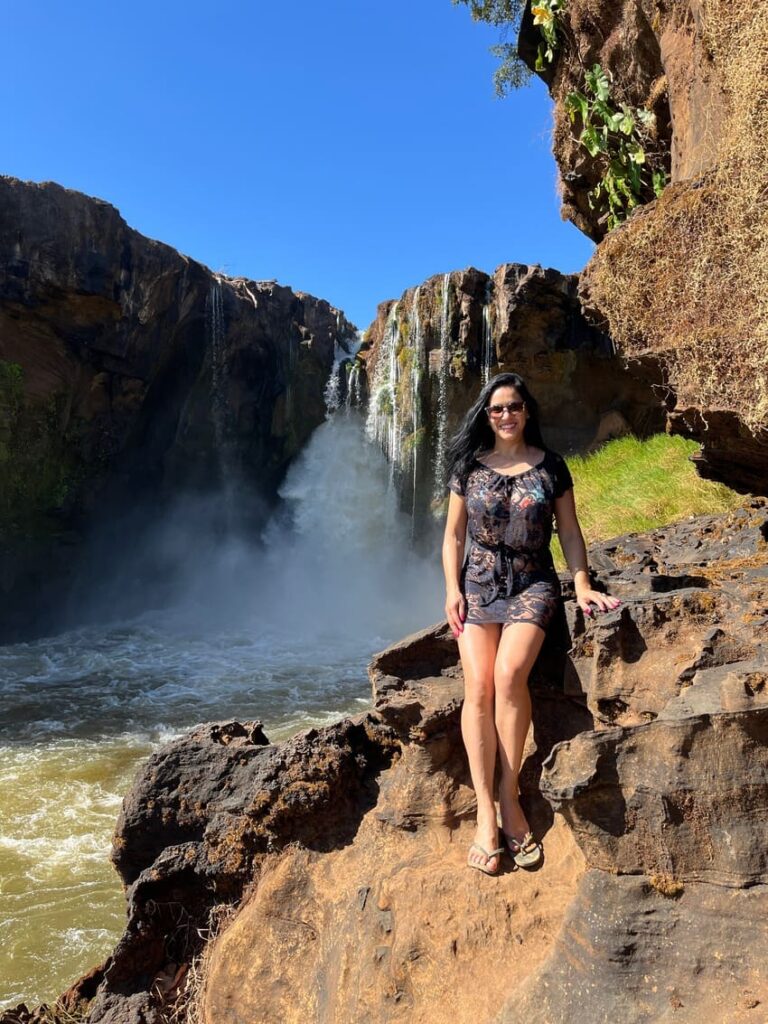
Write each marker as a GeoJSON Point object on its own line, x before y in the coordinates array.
{"type": "Point", "coordinates": [280, 630]}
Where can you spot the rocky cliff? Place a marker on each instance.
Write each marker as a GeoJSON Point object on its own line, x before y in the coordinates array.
{"type": "Point", "coordinates": [427, 354]}
{"type": "Point", "coordinates": [683, 280]}
{"type": "Point", "coordinates": [324, 879]}
{"type": "Point", "coordinates": [129, 373]}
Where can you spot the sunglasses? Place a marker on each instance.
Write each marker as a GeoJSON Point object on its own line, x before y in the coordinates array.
{"type": "Point", "coordinates": [496, 411]}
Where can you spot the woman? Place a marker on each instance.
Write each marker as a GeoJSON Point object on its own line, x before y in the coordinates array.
{"type": "Point", "coordinates": [505, 485]}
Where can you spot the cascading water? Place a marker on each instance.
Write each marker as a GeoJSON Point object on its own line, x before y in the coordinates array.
{"type": "Point", "coordinates": [216, 339]}
{"type": "Point", "coordinates": [343, 355]}
{"type": "Point", "coordinates": [280, 631]}
{"type": "Point", "coordinates": [354, 381]}
{"type": "Point", "coordinates": [332, 393]}
{"type": "Point", "coordinates": [488, 353]}
{"type": "Point", "coordinates": [418, 360]}
{"type": "Point", "coordinates": [383, 425]}
{"type": "Point", "coordinates": [438, 464]}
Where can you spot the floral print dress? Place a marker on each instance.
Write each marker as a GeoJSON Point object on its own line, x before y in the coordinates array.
{"type": "Point", "coordinates": [508, 574]}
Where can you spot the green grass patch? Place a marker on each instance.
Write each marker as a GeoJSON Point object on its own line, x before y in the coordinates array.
{"type": "Point", "coordinates": [630, 486]}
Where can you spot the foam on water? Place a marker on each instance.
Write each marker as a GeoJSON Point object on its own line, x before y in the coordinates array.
{"type": "Point", "coordinates": [280, 632]}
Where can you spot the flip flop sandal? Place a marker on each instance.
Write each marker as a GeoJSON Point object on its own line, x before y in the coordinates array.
{"type": "Point", "coordinates": [525, 852]}
{"type": "Point", "coordinates": [487, 855]}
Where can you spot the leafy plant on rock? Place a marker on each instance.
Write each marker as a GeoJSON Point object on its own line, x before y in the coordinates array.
{"type": "Point", "coordinates": [621, 137]}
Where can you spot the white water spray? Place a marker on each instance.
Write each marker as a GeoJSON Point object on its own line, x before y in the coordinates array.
{"type": "Point", "coordinates": [488, 353]}
{"type": "Point", "coordinates": [417, 372]}
{"type": "Point", "coordinates": [383, 425]}
{"type": "Point", "coordinates": [438, 466]}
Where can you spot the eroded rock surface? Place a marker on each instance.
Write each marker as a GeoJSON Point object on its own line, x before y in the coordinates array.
{"type": "Point", "coordinates": [633, 949]}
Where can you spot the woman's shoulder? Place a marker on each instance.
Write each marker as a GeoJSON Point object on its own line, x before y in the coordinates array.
{"type": "Point", "coordinates": [553, 457]}
{"type": "Point", "coordinates": [557, 468]}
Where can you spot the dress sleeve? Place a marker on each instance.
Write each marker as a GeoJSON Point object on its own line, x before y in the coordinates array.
{"type": "Point", "coordinates": [562, 476]}
{"type": "Point", "coordinates": [456, 485]}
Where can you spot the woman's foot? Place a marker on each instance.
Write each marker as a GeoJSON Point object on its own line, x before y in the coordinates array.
{"type": "Point", "coordinates": [513, 821]}
{"type": "Point", "coordinates": [523, 848]}
{"type": "Point", "coordinates": [485, 853]}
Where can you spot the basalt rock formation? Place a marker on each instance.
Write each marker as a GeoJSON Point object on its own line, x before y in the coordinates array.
{"type": "Point", "coordinates": [324, 879]}
{"type": "Point", "coordinates": [426, 355]}
{"type": "Point", "coordinates": [683, 280]}
{"type": "Point", "coordinates": [129, 373]}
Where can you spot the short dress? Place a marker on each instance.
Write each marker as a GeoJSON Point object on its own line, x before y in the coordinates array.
{"type": "Point", "coordinates": [508, 573]}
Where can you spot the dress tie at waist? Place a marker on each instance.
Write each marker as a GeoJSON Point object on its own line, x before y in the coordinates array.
{"type": "Point", "coordinates": [503, 571]}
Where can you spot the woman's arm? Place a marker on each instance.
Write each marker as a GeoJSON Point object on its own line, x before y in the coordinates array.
{"type": "Point", "coordinates": [453, 555]}
{"type": "Point", "coordinates": [575, 551]}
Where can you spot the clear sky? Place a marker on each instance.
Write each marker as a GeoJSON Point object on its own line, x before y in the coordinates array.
{"type": "Point", "coordinates": [347, 148]}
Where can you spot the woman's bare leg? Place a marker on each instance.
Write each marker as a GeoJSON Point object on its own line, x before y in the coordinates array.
{"type": "Point", "coordinates": [518, 649]}
{"type": "Point", "coordinates": [477, 648]}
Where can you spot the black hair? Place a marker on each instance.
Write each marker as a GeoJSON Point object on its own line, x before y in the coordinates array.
{"type": "Point", "coordinates": [475, 432]}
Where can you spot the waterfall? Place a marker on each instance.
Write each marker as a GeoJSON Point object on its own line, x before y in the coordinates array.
{"type": "Point", "coordinates": [343, 356]}
{"type": "Point", "coordinates": [216, 337]}
{"type": "Point", "coordinates": [332, 392]}
{"type": "Point", "coordinates": [488, 353]}
{"type": "Point", "coordinates": [354, 394]}
{"type": "Point", "coordinates": [384, 422]}
{"type": "Point", "coordinates": [438, 467]}
{"type": "Point", "coordinates": [417, 365]}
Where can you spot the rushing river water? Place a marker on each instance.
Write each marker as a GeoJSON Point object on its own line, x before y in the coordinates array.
{"type": "Point", "coordinates": [280, 632]}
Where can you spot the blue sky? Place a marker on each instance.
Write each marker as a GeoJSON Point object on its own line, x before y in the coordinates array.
{"type": "Point", "coordinates": [346, 148]}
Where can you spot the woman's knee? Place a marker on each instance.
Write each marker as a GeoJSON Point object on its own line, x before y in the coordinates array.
{"type": "Point", "coordinates": [479, 693]}
{"type": "Point", "coordinates": [510, 678]}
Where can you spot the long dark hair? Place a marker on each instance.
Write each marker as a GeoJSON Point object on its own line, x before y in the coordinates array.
{"type": "Point", "coordinates": [476, 433]}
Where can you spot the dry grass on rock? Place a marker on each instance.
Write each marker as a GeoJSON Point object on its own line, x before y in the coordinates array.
{"type": "Point", "coordinates": [687, 278]}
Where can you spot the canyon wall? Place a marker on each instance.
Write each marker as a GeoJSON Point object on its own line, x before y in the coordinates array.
{"type": "Point", "coordinates": [130, 374]}
{"type": "Point", "coordinates": [426, 356]}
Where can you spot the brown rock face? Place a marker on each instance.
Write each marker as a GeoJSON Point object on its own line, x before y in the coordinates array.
{"type": "Point", "coordinates": [427, 354]}
{"type": "Point", "coordinates": [682, 281]}
{"type": "Point", "coordinates": [658, 57]}
{"type": "Point", "coordinates": [638, 950]}
{"type": "Point", "coordinates": [338, 859]}
{"type": "Point", "coordinates": [142, 374]}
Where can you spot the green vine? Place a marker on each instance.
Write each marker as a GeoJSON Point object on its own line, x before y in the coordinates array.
{"type": "Point", "coordinates": [619, 136]}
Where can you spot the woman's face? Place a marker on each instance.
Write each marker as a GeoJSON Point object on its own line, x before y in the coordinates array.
{"type": "Point", "coordinates": [507, 414]}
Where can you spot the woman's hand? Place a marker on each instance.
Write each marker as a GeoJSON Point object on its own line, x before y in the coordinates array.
{"type": "Point", "coordinates": [456, 611]}
{"type": "Point", "coordinates": [585, 598]}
